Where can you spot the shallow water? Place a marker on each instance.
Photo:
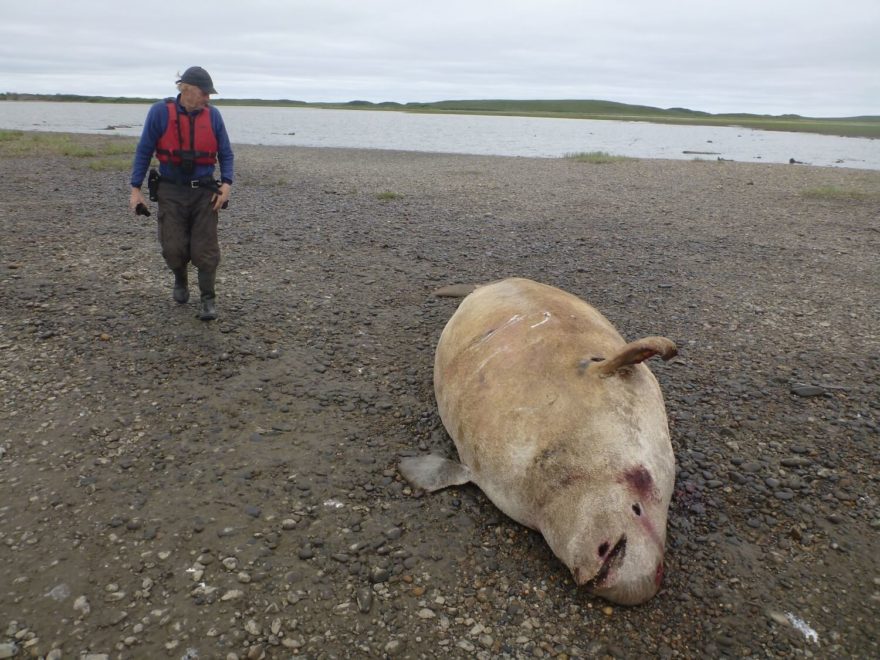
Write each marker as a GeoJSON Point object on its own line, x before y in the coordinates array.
{"type": "Point", "coordinates": [470, 134]}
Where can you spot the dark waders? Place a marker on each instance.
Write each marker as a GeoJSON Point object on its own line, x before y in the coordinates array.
{"type": "Point", "coordinates": [188, 233]}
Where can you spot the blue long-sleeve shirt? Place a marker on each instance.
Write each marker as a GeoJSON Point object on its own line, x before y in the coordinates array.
{"type": "Point", "coordinates": [154, 127]}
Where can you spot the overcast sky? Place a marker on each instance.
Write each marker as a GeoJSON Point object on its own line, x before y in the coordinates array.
{"type": "Point", "coordinates": [808, 57]}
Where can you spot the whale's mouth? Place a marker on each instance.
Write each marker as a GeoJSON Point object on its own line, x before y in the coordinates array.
{"type": "Point", "coordinates": [612, 559]}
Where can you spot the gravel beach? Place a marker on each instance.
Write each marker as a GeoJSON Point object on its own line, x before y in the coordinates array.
{"type": "Point", "coordinates": [181, 489]}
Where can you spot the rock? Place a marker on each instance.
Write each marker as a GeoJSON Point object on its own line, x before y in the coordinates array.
{"type": "Point", "coordinates": [395, 648]}
{"type": "Point", "coordinates": [379, 575]}
{"type": "Point", "coordinates": [59, 592]}
{"type": "Point", "coordinates": [393, 533]}
{"type": "Point", "coordinates": [804, 390]}
{"type": "Point", "coordinates": [364, 599]}
{"type": "Point", "coordinates": [796, 462]}
{"type": "Point", "coordinates": [82, 606]}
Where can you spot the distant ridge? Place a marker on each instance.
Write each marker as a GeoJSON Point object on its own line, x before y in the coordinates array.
{"type": "Point", "coordinates": [861, 126]}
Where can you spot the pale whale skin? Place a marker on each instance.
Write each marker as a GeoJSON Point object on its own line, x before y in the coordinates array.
{"type": "Point", "coordinates": [562, 427]}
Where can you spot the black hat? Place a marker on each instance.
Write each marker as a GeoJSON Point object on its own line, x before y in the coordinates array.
{"type": "Point", "coordinates": [197, 76]}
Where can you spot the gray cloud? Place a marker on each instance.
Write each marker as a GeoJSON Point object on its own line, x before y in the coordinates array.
{"type": "Point", "coordinates": [809, 57]}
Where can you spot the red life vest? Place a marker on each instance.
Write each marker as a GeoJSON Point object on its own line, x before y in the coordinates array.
{"type": "Point", "coordinates": [186, 134]}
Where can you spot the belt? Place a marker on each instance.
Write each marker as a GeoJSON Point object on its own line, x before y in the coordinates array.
{"type": "Point", "coordinates": [206, 182]}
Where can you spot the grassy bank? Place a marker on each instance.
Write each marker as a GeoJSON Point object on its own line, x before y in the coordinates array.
{"type": "Point", "coordinates": [99, 153]}
{"type": "Point", "coordinates": [867, 127]}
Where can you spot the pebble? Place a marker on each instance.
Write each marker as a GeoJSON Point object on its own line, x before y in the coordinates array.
{"type": "Point", "coordinates": [82, 606]}
{"type": "Point", "coordinates": [59, 592]}
{"type": "Point", "coordinates": [393, 533]}
{"type": "Point", "coordinates": [395, 647]}
{"type": "Point", "coordinates": [364, 599]}
{"type": "Point", "coordinates": [804, 390]}
{"type": "Point", "coordinates": [379, 575]}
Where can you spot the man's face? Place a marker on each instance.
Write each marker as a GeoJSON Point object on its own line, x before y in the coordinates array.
{"type": "Point", "coordinates": [193, 98]}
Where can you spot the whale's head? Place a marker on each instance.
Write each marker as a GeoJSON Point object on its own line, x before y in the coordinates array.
{"type": "Point", "coordinates": [614, 540]}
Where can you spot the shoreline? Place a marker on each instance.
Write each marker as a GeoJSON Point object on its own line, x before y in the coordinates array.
{"type": "Point", "coordinates": [726, 144]}
{"type": "Point", "coordinates": [598, 157]}
{"type": "Point", "coordinates": [231, 487]}
{"type": "Point", "coordinates": [854, 126]}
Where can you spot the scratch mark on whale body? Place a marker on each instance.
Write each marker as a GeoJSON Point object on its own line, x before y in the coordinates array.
{"type": "Point", "coordinates": [546, 318]}
{"type": "Point", "coordinates": [486, 361]}
{"type": "Point", "coordinates": [513, 320]}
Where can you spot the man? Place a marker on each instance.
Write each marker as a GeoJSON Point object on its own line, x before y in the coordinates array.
{"type": "Point", "coordinates": [188, 137]}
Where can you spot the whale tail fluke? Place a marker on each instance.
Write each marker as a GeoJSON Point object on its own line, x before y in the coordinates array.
{"type": "Point", "coordinates": [456, 290]}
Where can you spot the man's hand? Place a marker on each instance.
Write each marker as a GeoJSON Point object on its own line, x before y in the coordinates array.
{"type": "Point", "coordinates": [222, 197]}
{"type": "Point", "coordinates": [137, 197]}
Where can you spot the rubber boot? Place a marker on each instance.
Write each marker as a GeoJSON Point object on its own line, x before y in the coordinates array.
{"type": "Point", "coordinates": [181, 285]}
{"type": "Point", "coordinates": [207, 311]}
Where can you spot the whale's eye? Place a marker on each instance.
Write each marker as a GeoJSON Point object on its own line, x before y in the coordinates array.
{"type": "Point", "coordinates": [637, 509]}
{"type": "Point", "coordinates": [603, 549]}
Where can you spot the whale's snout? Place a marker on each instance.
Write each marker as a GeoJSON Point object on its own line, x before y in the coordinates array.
{"type": "Point", "coordinates": [632, 591]}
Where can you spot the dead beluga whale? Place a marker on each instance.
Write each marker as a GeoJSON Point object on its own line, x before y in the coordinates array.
{"type": "Point", "coordinates": [559, 423]}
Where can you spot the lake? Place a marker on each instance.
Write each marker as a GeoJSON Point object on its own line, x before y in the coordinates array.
{"type": "Point", "coordinates": [468, 134]}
